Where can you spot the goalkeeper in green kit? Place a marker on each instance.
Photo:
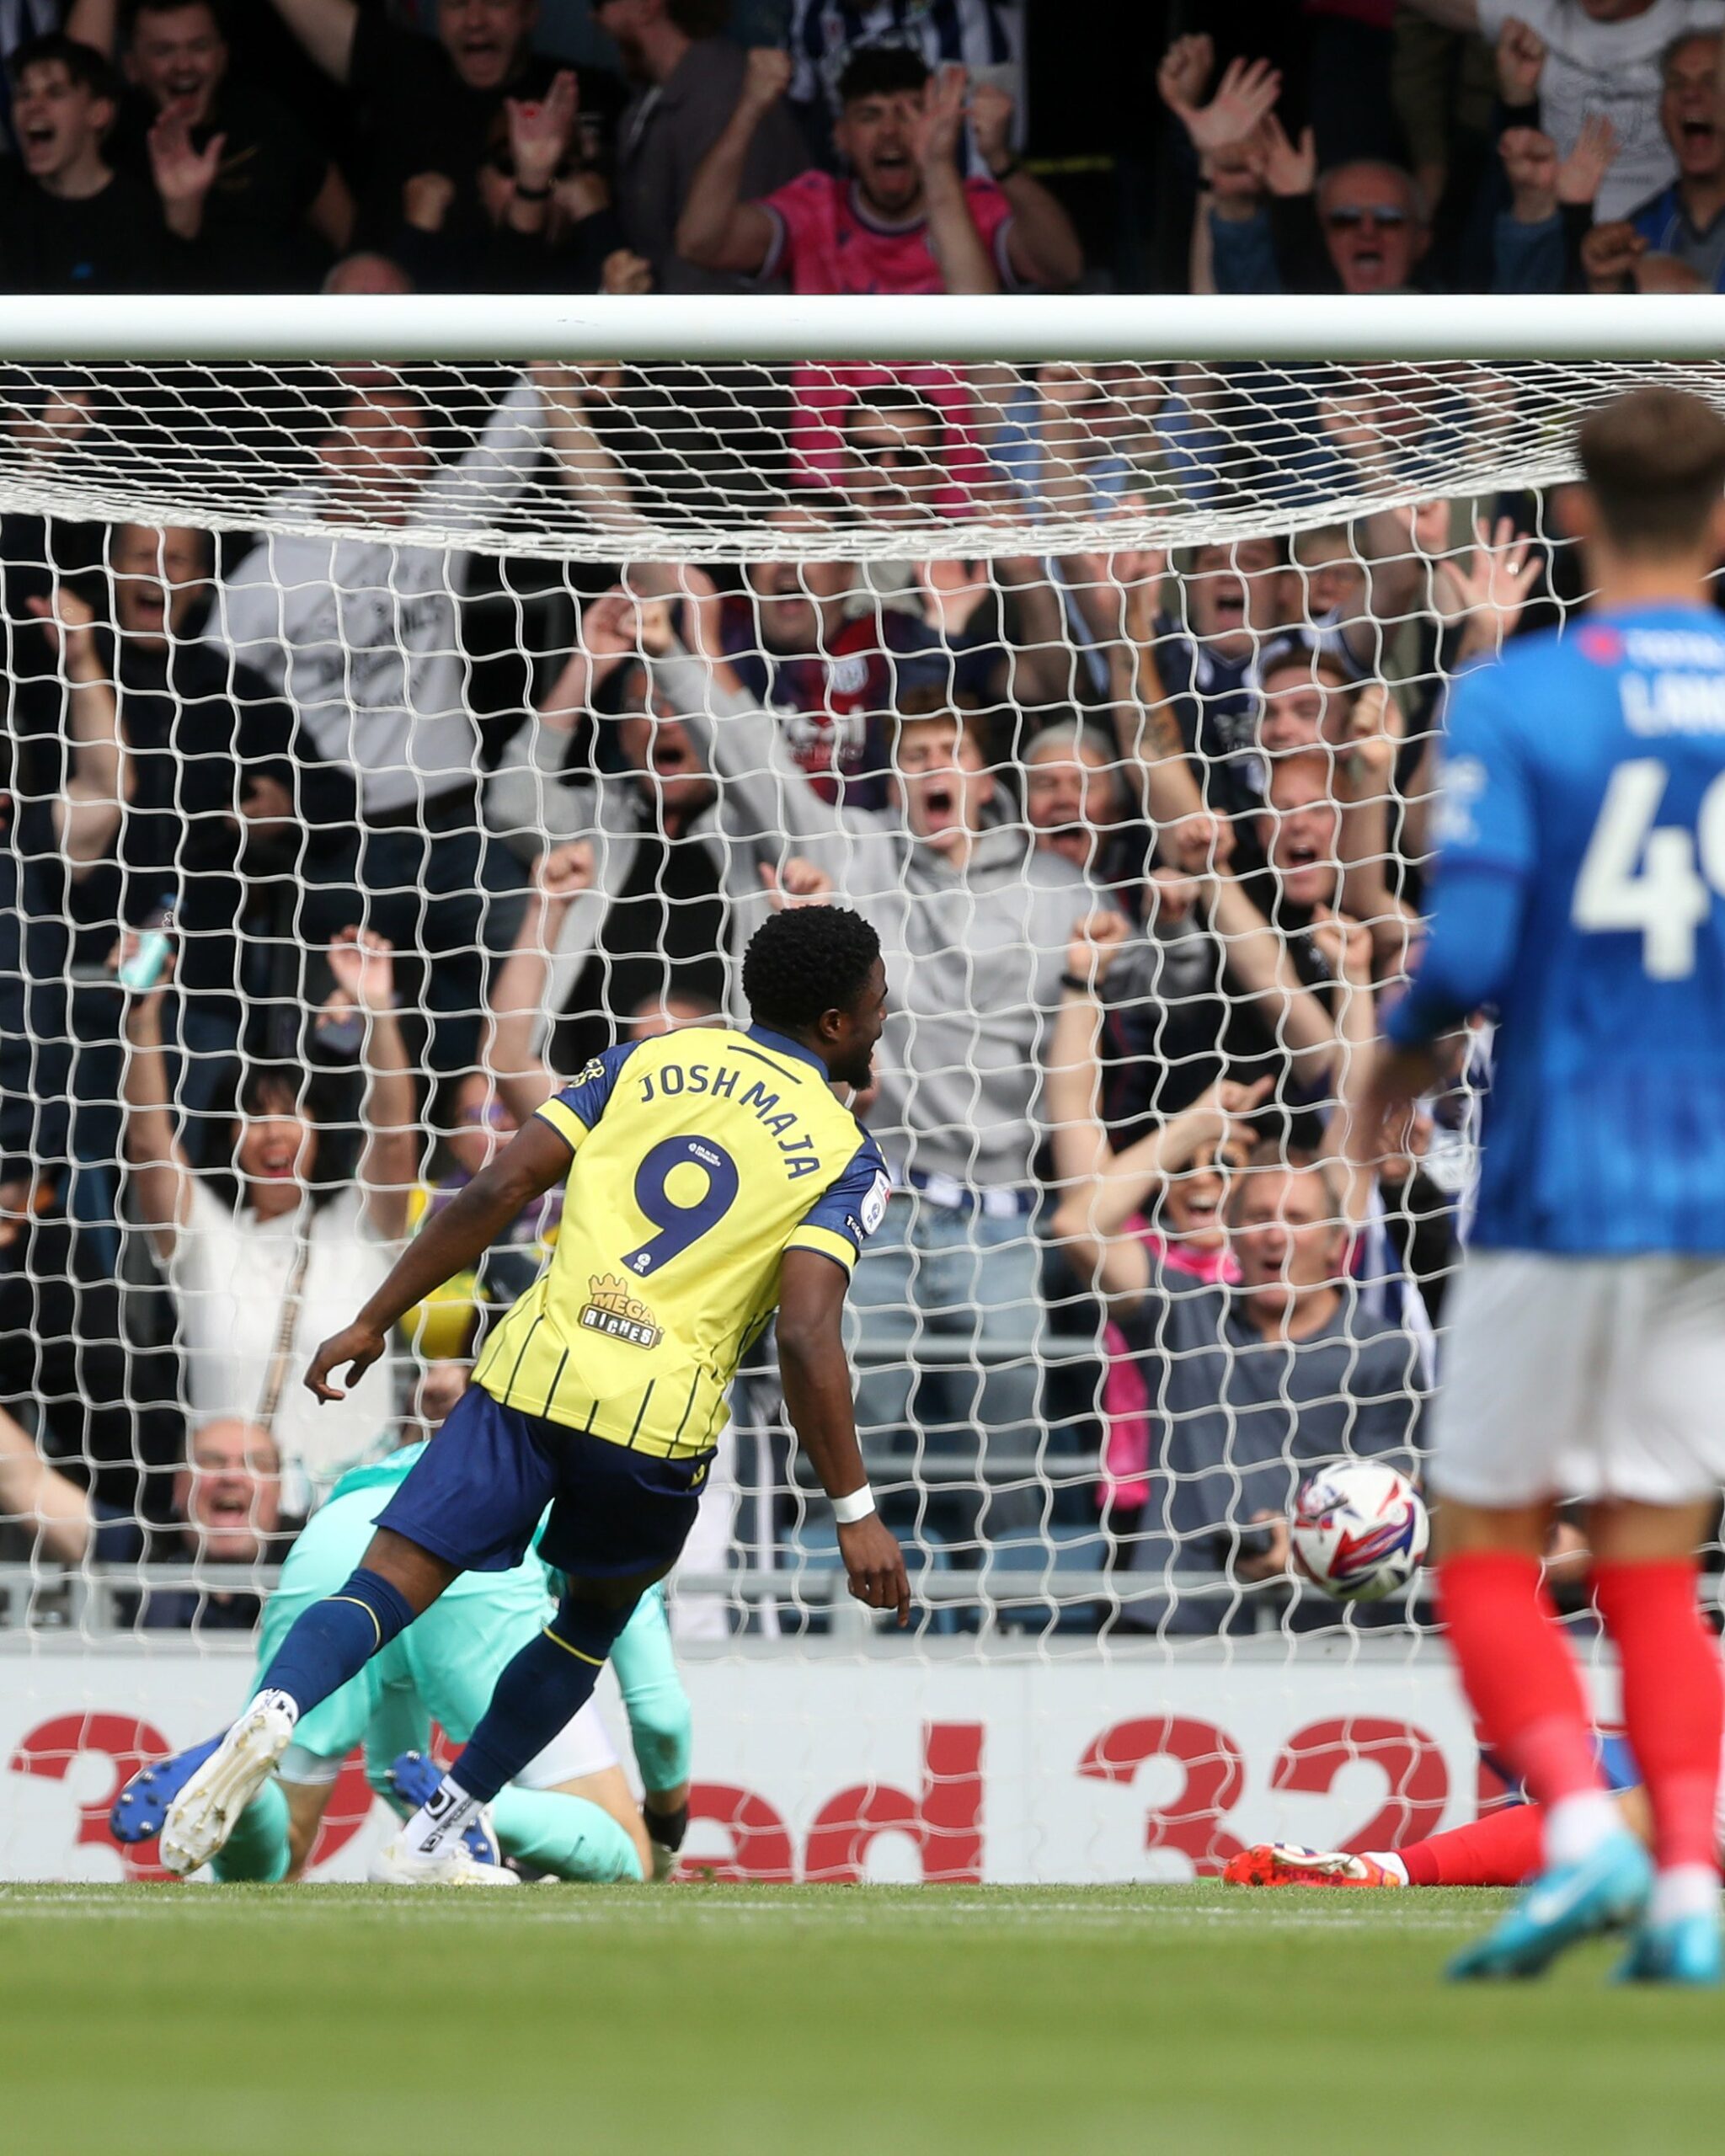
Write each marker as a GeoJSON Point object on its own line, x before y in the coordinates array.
{"type": "Point", "coordinates": [569, 1813]}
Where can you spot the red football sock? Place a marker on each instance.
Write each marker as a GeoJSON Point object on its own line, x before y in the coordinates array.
{"type": "Point", "coordinates": [1674, 1700]}
{"type": "Point", "coordinates": [1518, 1671]}
{"type": "Point", "coordinates": [1502, 1849]}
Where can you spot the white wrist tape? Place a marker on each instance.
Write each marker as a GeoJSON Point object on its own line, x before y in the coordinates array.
{"type": "Point", "coordinates": [858, 1505]}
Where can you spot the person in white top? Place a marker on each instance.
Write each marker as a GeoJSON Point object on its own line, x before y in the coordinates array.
{"type": "Point", "coordinates": [260, 1277]}
{"type": "Point", "coordinates": [1596, 56]}
{"type": "Point", "coordinates": [360, 633]}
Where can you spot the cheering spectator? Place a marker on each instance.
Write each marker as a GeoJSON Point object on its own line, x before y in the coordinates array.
{"type": "Point", "coordinates": [237, 175]}
{"type": "Point", "coordinates": [1269, 222]}
{"type": "Point", "coordinates": [1687, 221]}
{"type": "Point", "coordinates": [813, 640]}
{"type": "Point", "coordinates": [1060, 443]}
{"type": "Point", "coordinates": [1543, 241]}
{"type": "Point", "coordinates": [906, 222]}
{"type": "Point", "coordinates": [1169, 1189]}
{"type": "Point", "coordinates": [176, 789]}
{"type": "Point", "coordinates": [1174, 996]}
{"type": "Point", "coordinates": [224, 787]}
{"type": "Point", "coordinates": [69, 222]}
{"type": "Point", "coordinates": [687, 81]}
{"type": "Point", "coordinates": [644, 890]}
{"type": "Point", "coordinates": [266, 1268]}
{"type": "Point", "coordinates": [1233, 594]}
{"type": "Point", "coordinates": [1595, 57]}
{"type": "Point", "coordinates": [543, 226]}
{"type": "Point", "coordinates": [69, 784]}
{"type": "Point", "coordinates": [178, 794]}
{"type": "Point", "coordinates": [791, 644]}
{"type": "Point", "coordinates": [431, 106]}
{"type": "Point", "coordinates": [1209, 985]}
{"type": "Point", "coordinates": [88, 798]}
{"type": "Point", "coordinates": [900, 448]}
{"type": "Point", "coordinates": [665, 879]}
{"type": "Point", "coordinates": [1310, 701]}
{"type": "Point", "coordinates": [1251, 1385]}
{"type": "Point", "coordinates": [974, 920]}
{"type": "Point", "coordinates": [1075, 804]}
{"type": "Point", "coordinates": [892, 465]}
{"type": "Point", "coordinates": [367, 650]}
{"type": "Point", "coordinates": [1681, 229]}
{"type": "Point", "coordinates": [1359, 228]}
{"type": "Point", "coordinates": [26, 20]}
{"type": "Point", "coordinates": [227, 1510]}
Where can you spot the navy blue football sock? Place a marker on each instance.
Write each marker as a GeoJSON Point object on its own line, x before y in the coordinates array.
{"type": "Point", "coordinates": [335, 1638]}
{"type": "Point", "coordinates": [549, 1680]}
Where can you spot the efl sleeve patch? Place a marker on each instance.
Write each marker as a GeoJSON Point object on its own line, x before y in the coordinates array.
{"type": "Point", "coordinates": [855, 1206]}
{"type": "Point", "coordinates": [588, 1094]}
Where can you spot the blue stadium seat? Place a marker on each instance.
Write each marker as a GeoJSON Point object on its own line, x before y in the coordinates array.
{"type": "Point", "coordinates": [1018, 1567]}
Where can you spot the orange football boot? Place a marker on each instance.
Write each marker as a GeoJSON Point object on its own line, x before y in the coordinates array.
{"type": "Point", "coordinates": [1285, 1863]}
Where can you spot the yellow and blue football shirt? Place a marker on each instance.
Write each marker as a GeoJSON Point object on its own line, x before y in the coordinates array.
{"type": "Point", "coordinates": [700, 1158]}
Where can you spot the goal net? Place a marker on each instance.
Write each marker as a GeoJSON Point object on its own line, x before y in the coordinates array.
{"type": "Point", "coordinates": [395, 721]}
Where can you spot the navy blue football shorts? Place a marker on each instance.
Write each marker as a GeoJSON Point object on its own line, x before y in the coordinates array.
{"type": "Point", "coordinates": [477, 1493]}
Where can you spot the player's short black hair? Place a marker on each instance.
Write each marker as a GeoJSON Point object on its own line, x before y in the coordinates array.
{"type": "Point", "coordinates": [805, 961]}
{"type": "Point", "coordinates": [86, 69]}
{"type": "Point", "coordinates": [882, 70]}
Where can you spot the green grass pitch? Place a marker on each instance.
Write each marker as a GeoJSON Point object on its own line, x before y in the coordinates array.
{"type": "Point", "coordinates": [743, 2021]}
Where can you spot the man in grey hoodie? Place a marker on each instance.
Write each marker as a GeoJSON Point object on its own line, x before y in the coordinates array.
{"type": "Point", "coordinates": [973, 922]}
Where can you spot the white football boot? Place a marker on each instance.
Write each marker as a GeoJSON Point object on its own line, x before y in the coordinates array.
{"type": "Point", "coordinates": [395, 1865]}
{"type": "Point", "coordinates": [204, 1814]}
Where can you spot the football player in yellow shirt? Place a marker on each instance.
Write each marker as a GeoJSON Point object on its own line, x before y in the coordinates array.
{"type": "Point", "coordinates": [712, 1177]}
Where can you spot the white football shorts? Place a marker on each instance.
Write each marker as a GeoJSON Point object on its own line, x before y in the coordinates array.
{"type": "Point", "coordinates": [1583, 1377]}
{"type": "Point", "coordinates": [581, 1746]}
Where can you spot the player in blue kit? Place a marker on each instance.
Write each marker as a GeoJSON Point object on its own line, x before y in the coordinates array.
{"type": "Point", "coordinates": [1580, 890]}
{"type": "Point", "coordinates": [712, 1178]}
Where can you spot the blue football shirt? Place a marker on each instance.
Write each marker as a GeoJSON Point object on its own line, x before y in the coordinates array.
{"type": "Point", "coordinates": [1580, 889]}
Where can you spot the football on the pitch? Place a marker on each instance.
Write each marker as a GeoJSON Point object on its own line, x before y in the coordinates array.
{"type": "Point", "coordinates": [1358, 1531]}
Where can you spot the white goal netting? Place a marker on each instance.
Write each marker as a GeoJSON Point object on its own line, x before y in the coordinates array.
{"type": "Point", "coordinates": [385, 738]}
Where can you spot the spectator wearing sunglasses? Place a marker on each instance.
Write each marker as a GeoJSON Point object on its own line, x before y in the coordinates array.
{"type": "Point", "coordinates": [1361, 228]}
{"type": "Point", "coordinates": [892, 469]}
{"type": "Point", "coordinates": [896, 466]}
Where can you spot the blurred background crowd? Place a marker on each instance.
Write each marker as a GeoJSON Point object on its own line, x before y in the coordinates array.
{"type": "Point", "coordinates": [328, 855]}
{"type": "Point", "coordinates": [1244, 146]}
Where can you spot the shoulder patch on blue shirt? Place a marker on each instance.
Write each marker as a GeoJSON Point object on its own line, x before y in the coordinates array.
{"type": "Point", "coordinates": [589, 1092]}
{"type": "Point", "coordinates": [855, 1205]}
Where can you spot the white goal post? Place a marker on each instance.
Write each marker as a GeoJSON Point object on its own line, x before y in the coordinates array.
{"type": "Point", "coordinates": [983, 616]}
{"type": "Point", "coordinates": [1516, 370]}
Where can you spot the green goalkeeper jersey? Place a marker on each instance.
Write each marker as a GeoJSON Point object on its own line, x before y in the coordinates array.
{"type": "Point", "coordinates": [443, 1667]}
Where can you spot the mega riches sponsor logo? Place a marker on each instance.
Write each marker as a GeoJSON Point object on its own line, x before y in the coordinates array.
{"type": "Point", "coordinates": [614, 1309]}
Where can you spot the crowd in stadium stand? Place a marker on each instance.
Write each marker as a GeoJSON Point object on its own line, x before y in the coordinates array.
{"type": "Point", "coordinates": [687, 145]}
{"type": "Point", "coordinates": [1142, 839]}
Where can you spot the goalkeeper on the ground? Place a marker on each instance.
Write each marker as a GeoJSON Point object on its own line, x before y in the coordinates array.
{"type": "Point", "coordinates": [569, 1813]}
